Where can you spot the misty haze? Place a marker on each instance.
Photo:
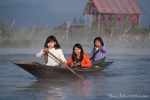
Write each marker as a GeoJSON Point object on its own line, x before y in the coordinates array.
{"type": "Point", "coordinates": [25, 27]}
{"type": "Point", "coordinates": [123, 72]}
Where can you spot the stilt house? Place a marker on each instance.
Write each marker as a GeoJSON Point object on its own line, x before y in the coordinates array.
{"type": "Point", "coordinates": [119, 12]}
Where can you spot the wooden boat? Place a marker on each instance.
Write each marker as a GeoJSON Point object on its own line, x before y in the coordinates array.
{"type": "Point", "coordinates": [42, 71]}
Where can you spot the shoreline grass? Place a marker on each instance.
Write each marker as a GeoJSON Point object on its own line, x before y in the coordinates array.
{"type": "Point", "coordinates": [134, 38]}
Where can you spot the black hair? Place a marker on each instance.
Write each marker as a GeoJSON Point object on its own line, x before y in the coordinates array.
{"type": "Point", "coordinates": [100, 40]}
{"type": "Point", "coordinates": [52, 38]}
{"type": "Point", "coordinates": [74, 54]}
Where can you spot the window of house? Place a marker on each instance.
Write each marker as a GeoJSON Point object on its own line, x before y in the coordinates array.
{"type": "Point", "coordinates": [118, 19]}
{"type": "Point", "coordinates": [109, 19]}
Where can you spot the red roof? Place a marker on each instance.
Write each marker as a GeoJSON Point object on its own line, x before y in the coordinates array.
{"type": "Point", "coordinates": [117, 6]}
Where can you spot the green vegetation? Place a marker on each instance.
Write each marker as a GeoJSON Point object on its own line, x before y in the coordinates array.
{"type": "Point", "coordinates": [78, 21]}
{"type": "Point", "coordinates": [29, 37]}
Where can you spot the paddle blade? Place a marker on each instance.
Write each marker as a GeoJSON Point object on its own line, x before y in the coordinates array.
{"type": "Point", "coordinates": [81, 77]}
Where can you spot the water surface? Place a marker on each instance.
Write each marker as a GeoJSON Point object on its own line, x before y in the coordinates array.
{"type": "Point", "coordinates": [127, 78]}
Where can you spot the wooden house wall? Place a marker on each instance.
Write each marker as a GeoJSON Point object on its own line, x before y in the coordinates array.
{"type": "Point", "coordinates": [133, 19]}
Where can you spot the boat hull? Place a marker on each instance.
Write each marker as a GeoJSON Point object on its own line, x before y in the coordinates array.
{"type": "Point", "coordinates": [41, 71]}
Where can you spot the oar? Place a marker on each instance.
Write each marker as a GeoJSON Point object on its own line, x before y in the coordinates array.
{"type": "Point", "coordinates": [94, 55]}
{"type": "Point", "coordinates": [66, 66]}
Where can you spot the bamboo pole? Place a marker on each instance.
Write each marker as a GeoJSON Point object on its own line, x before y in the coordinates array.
{"type": "Point", "coordinates": [125, 33]}
{"type": "Point", "coordinates": [147, 38]}
{"type": "Point", "coordinates": [99, 18]}
{"type": "Point", "coordinates": [91, 18]}
{"type": "Point", "coordinates": [12, 24]}
{"type": "Point", "coordinates": [33, 29]}
{"type": "Point", "coordinates": [85, 21]}
{"type": "Point", "coordinates": [112, 31]}
{"type": "Point", "coordinates": [85, 39]}
{"type": "Point", "coordinates": [67, 31]}
{"type": "Point", "coordinates": [62, 38]}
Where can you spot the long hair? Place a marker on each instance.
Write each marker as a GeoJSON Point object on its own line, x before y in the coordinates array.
{"type": "Point", "coordinates": [100, 40]}
{"type": "Point", "coordinates": [52, 38]}
{"type": "Point", "coordinates": [74, 54]}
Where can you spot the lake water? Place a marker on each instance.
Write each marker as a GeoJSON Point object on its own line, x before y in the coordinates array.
{"type": "Point", "coordinates": [127, 78]}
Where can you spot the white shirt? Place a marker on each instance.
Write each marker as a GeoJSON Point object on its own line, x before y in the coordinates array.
{"type": "Point", "coordinates": [51, 60]}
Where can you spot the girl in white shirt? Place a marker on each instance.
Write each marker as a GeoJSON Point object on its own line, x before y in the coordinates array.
{"type": "Point", "coordinates": [52, 46]}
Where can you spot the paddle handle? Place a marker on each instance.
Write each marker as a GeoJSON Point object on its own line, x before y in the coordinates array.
{"type": "Point", "coordinates": [66, 66]}
{"type": "Point", "coordinates": [55, 57]}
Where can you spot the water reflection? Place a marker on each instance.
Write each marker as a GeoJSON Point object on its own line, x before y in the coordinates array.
{"type": "Point", "coordinates": [88, 88]}
{"type": "Point", "coordinates": [44, 89]}
{"type": "Point", "coordinates": [64, 89]}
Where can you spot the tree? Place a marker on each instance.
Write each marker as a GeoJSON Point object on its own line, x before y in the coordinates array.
{"type": "Point", "coordinates": [75, 21]}
{"type": "Point", "coordinates": [94, 24]}
{"type": "Point", "coordinates": [113, 25]}
{"type": "Point", "coordinates": [81, 21]}
{"type": "Point", "coordinates": [78, 21]}
{"type": "Point", "coordinates": [113, 21]}
{"type": "Point", "coordinates": [126, 26]}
